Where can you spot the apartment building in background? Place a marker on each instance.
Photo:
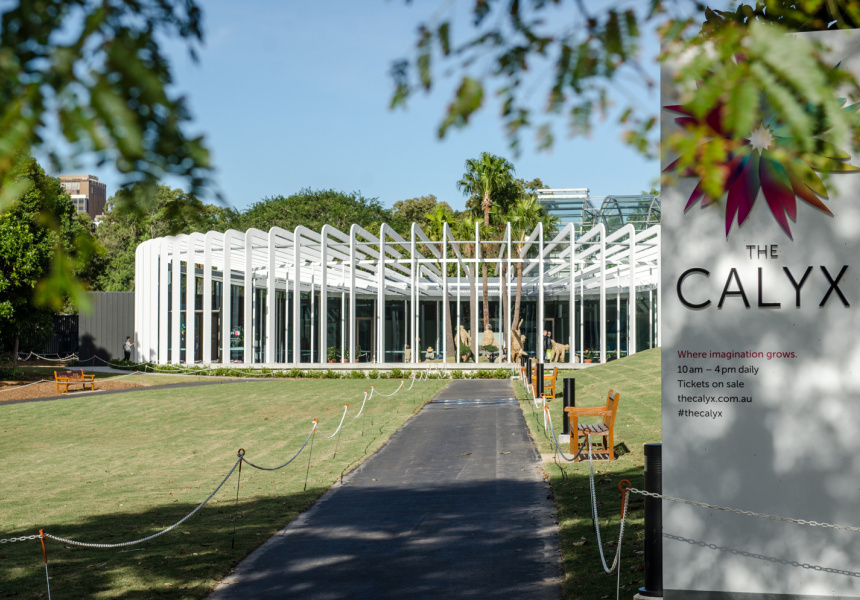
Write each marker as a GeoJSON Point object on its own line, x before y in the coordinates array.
{"type": "Point", "coordinates": [88, 193]}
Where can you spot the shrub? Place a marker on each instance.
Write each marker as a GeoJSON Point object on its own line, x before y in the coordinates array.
{"type": "Point", "coordinates": [357, 375]}
{"type": "Point", "coordinates": [294, 373]}
{"type": "Point", "coordinates": [457, 374]}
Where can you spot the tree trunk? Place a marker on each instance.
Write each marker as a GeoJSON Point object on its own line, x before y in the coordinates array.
{"type": "Point", "coordinates": [486, 294]}
{"type": "Point", "coordinates": [504, 311]}
{"type": "Point", "coordinates": [516, 315]}
{"type": "Point", "coordinates": [449, 329]}
{"type": "Point", "coordinates": [473, 302]}
{"type": "Point", "coordinates": [15, 352]}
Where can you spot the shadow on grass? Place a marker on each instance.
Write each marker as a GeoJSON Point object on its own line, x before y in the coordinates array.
{"type": "Point", "coordinates": [183, 563]}
{"type": "Point", "coordinates": [457, 540]}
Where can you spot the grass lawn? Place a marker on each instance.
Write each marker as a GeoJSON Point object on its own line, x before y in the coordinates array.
{"type": "Point", "coordinates": [108, 469]}
{"type": "Point", "coordinates": [637, 378]}
{"type": "Point", "coordinates": [144, 379]}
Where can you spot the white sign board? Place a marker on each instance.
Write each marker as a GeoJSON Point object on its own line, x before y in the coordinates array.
{"type": "Point", "coordinates": [761, 379]}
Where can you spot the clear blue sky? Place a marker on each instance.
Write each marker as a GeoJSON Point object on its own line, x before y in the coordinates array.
{"type": "Point", "coordinates": [296, 94]}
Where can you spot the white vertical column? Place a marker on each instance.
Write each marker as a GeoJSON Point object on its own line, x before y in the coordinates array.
{"type": "Point", "coordinates": [572, 302]}
{"type": "Point", "coordinates": [618, 311]}
{"type": "Point", "coordinates": [207, 296]}
{"type": "Point", "coordinates": [510, 320]}
{"type": "Point", "coordinates": [479, 295]}
{"type": "Point", "coordinates": [175, 344]}
{"type": "Point", "coordinates": [190, 295]}
{"type": "Point", "coordinates": [631, 297]}
{"type": "Point", "coordinates": [154, 317]}
{"type": "Point", "coordinates": [602, 293]}
{"type": "Point", "coordinates": [164, 247]}
{"type": "Point", "coordinates": [297, 295]}
{"type": "Point", "coordinates": [141, 285]}
{"type": "Point", "coordinates": [414, 297]}
{"type": "Point", "coordinates": [540, 308]}
{"type": "Point", "coordinates": [323, 326]}
{"type": "Point", "coordinates": [249, 298]}
{"type": "Point", "coordinates": [353, 323]}
{"type": "Point", "coordinates": [271, 298]}
{"type": "Point", "coordinates": [380, 298]}
{"type": "Point", "coordinates": [226, 297]}
{"type": "Point", "coordinates": [446, 304]}
{"type": "Point", "coordinates": [457, 324]}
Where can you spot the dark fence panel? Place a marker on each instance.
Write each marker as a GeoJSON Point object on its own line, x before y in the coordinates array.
{"type": "Point", "coordinates": [64, 341]}
{"type": "Point", "coordinates": [102, 332]}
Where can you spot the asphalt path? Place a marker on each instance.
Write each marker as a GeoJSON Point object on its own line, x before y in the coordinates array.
{"type": "Point", "coordinates": [453, 506]}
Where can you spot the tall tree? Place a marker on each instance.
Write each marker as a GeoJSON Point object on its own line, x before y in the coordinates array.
{"type": "Point", "coordinates": [416, 210]}
{"type": "Point", "coordinates": [37, 226]}
{"type": "Point", "coordinates": [143, 213]}
{"type": "Point", "coordinates": [524, 217]}
{"type": "Point", "coordinates": [315, 208]}
{"type": "Point", "coordinates": [484, 178]}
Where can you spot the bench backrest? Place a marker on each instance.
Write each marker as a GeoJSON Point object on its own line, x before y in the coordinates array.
{"type": "Point", "coordinates": [79, 374]}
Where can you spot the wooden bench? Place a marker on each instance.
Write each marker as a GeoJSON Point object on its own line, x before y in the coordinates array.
{"type": "Point", "coordinates": [549, 380]}
{"type": "Point", "coordinates": [78, 377]}
{"type": "Point", "coordinates": [604, 429]}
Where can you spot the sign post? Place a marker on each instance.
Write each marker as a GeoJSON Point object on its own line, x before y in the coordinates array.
{"type": "Point", "coordinates": [761, 372]}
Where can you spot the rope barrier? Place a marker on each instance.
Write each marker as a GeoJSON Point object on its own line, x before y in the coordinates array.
{"type": "Point", "coordinates": [345, 409]}
{"type": "Point", "coordinates": [18, 387]}
{"type": "Point", "coordinates": [155, 535]}
{"type": "Point", "coordinates": [42, 535]}
{"type": "Point", "coordinates": [310, 435]}
{"type": "Point", "coordinates": [372, 391]}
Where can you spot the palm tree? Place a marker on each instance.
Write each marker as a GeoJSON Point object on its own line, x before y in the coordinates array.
{"type": "Point", "coordinates": [436, 224]}
{"type": "Point", "coordinates": [484, 178]}
{"type": "Point", "coordinates": [524, 216]}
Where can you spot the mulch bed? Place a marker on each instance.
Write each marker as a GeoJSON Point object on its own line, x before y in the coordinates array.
{"type": "Point", "coordinates": [47, 389]}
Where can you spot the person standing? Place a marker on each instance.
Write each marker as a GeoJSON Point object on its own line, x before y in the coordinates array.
{"type": "Point", "coordinates": [126, 348]}
{"type": "Point", "coordinates": [547, 344]}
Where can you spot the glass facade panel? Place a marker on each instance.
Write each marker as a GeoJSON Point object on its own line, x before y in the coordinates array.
{"type": "Point", "coordinates": [237, 323]}
{"type": "Point", "coordinates": [260, 325]}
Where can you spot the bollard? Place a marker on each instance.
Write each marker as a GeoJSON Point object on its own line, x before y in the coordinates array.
{"type": "Point", "coordinates": [653, 523]}
{"type": "Point", "coordinates": [528, 368]}
{"type": "Point", "coordinates": [538, 379]}
{"type": "Point", "coordinates": [569, 400]}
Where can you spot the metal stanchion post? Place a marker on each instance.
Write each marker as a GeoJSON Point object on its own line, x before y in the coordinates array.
{"type": "Point", "coordinates": [538, 379]}
{"type": "Point", "coordinates": [653, 523]}
{"type": "Point", "coordinates": [528, 368]}
{"type": "Point", "coordinates": [569, 400]}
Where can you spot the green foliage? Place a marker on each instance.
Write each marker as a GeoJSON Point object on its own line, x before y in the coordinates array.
{"type": "Point", "coordinates": [93, 75]}
{"type": "Point", "coordinates": [416, 210]}
{"type": "Point", "coordinates": [96, 73]}
{"type": "Point", "coordinates": [357, 375]}
{"type": "Point", "coordinates": [592, 48]}
{"type": "Point", "coordinates": [145, 212]}
{"type": "Point", "coordinates": [315, 208]}
{"type": "Point", "coordinates": [42, 246]}
{"type": "Point", "coordinates": [457, 374]}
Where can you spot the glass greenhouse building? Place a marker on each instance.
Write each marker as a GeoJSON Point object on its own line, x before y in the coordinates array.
{"type": "Point", "coordinates": [287, 298]}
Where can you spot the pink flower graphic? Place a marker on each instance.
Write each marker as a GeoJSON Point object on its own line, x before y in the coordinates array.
{"type": "Point", "coordinates": [751, 165]}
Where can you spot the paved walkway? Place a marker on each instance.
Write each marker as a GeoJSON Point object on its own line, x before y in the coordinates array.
{"type": "Point", "coordinates": [453, 506]}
